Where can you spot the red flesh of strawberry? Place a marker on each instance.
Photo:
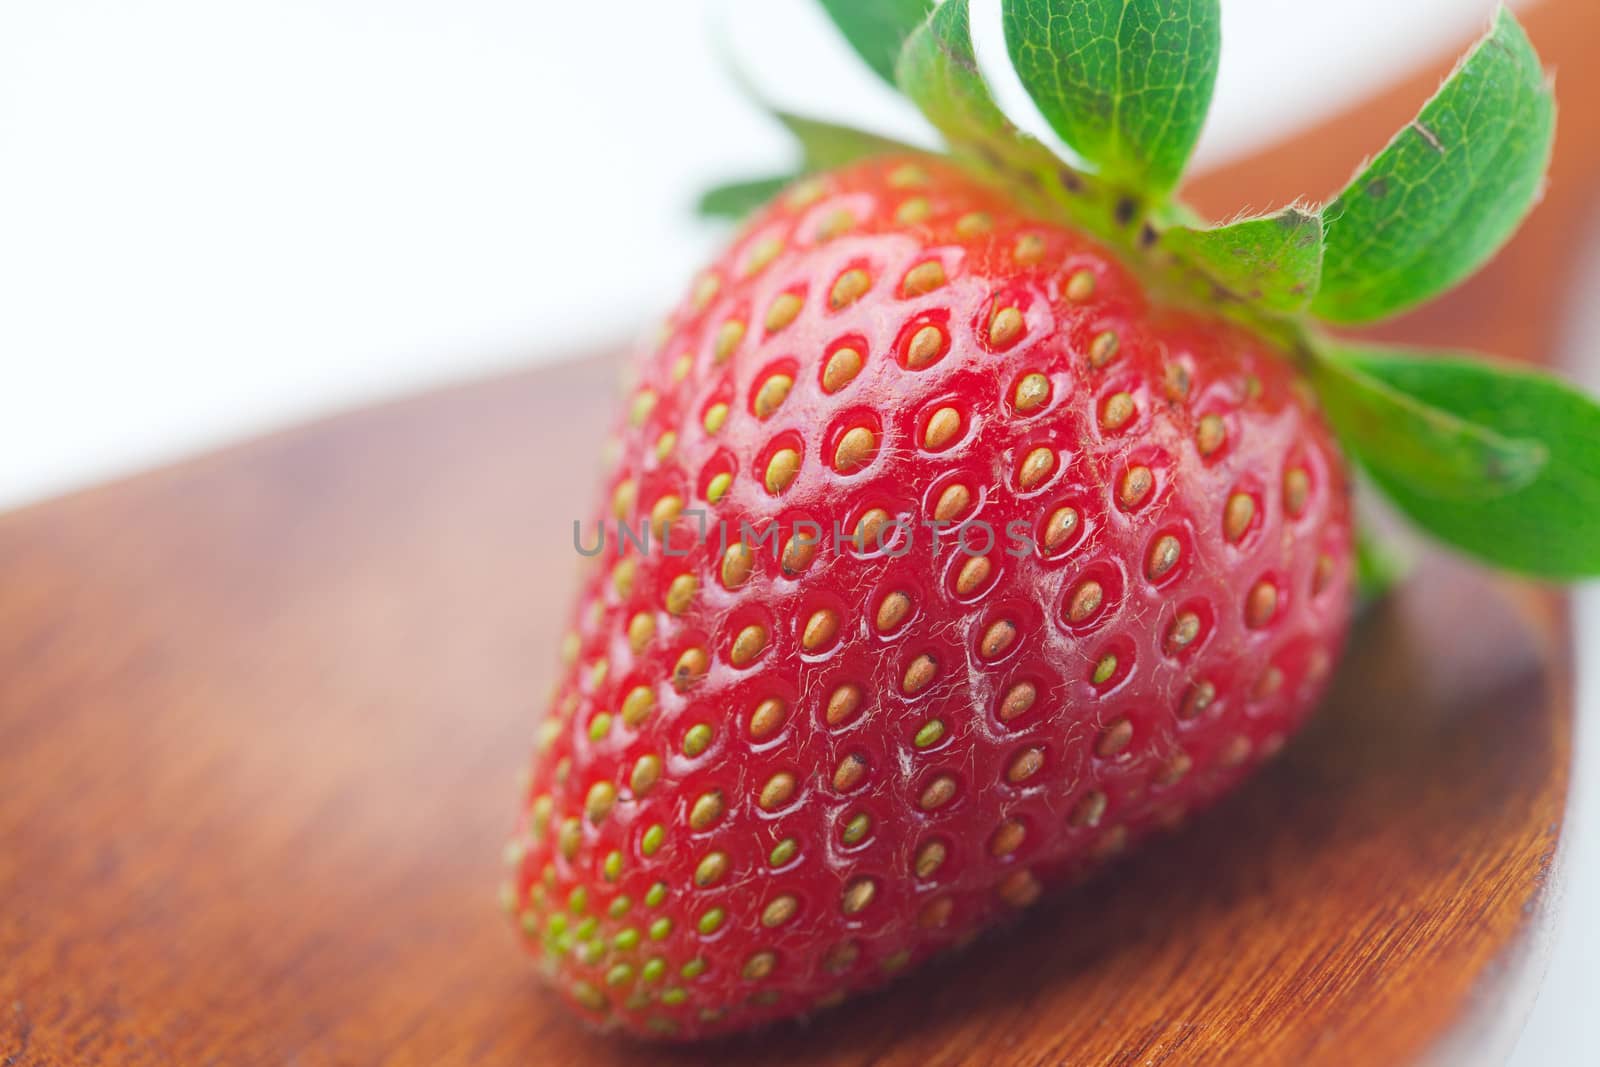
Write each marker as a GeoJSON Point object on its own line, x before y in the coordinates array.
{"type": "Point", "coordinates": [767, 780]}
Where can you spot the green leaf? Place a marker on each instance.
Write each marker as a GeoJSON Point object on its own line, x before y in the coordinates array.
{"type": "Point", "coordinates": [938, 71]}
{"type": "Point", "coordinates": [735, 200]}
{"type": "Point", "coordinates": [1126, 83]}
{"type": "Point", "coordinates": [877, 28]}
{"type": "Point", "coordinates": [1535, 439]}
{"type": "Point", "coordinates": [1274, 261]}
{"type": "Point", "coordinates": [1448, 191]}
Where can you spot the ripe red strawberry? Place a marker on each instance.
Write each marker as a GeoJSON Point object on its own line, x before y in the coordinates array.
{"type": "Point", "coordinates": [976, 547]}
{"type": "Point", "coordinates": [774, 774]}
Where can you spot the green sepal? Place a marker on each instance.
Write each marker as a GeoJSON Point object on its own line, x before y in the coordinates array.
{"type": "Point", "coordinates": [823, 146]}
{"type": "Point", "coordinates": [938, 71]}
{"type": "Point", "coordinates": [1274, 261]}
{"type": "Point", "coordinates": [1125, 83]}
{"type": "Point", "coordinates": [876, 29]}
{"type": "Point", "coordinates": [1379, 567]}
{"type": "Point", "coordinates": [1448, 191]}
{"type": "Point", "coordinates": [826, 145]}
{"type": "Point", "coordinates": [1429, 448]}
{"type": "Point", "coordinates": [1498, 460]}
{"type": "Point", "coordinates": [734, 200]}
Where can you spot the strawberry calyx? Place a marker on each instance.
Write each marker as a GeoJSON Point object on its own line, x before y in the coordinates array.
{"type": "Point", "coordinates": [1126, 85]}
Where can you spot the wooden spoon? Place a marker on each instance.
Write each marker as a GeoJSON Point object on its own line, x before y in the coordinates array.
{"type": "Point", "coordinates": [261, 716]}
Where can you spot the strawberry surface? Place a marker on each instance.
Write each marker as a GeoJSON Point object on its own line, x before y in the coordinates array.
{"type": "Point", "coordinates": [812, 739]}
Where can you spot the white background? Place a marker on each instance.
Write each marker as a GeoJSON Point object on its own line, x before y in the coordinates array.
{"type": "Point", "coordinates": [219, 216]}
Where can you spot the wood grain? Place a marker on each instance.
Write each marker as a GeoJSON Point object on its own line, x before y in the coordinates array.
{"type": "Point", "coordinates": [261, 716]}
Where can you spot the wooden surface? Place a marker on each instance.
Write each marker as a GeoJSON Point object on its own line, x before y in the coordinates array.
{"type": "Point", "coordinates": [261, 717]}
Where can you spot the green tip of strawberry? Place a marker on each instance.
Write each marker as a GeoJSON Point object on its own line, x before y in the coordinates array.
{"type": "Point", "coordinates": [976, 517]}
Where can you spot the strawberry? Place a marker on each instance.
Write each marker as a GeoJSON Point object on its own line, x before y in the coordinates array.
{"type": "Point", "coordinates": [957, 537]}
{"type": "Point", "coordinates": [781, 770]}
